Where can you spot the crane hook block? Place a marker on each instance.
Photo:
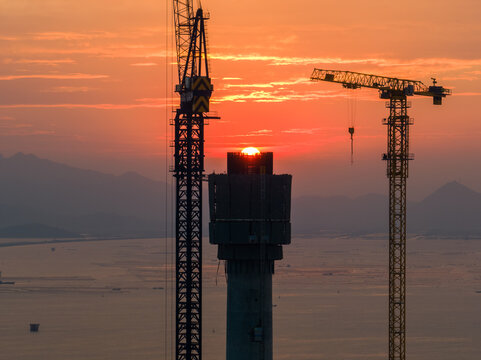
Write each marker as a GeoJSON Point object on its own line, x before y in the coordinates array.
{"type": "Point", "coordinates": [351, 131]}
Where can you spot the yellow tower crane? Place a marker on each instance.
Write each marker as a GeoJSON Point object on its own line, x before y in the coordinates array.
{"type": "Point", "coordinates": [397, 156]}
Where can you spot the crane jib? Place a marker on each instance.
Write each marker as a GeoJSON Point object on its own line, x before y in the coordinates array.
{"type": "Point", "coordinates": [387, 85]}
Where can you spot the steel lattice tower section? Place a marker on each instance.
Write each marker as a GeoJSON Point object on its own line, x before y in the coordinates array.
{"type": "Point", "coordinates": [189, 168]}
{"type": "Point", "coordinates": [184, 23]}
{"type": "Point", "coordinates": [397, 158]}
{"type": "Point", "coordinates": [195, 89]}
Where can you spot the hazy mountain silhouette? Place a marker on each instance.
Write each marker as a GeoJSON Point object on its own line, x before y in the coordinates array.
{"type": "Point", "coordinates": [57, 196]}
{"type": "Point", "coordinates": [35, 190]}
{"type": "Point", "coordinates": [339, 214]}
{"type": "Point", "coordinates": [452, 210]}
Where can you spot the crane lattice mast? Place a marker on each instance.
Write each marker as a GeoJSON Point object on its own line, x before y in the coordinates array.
{"type": "Point", "coordinates": [396, 91]}
{"type": "Point", "coordinates": [195, 90]}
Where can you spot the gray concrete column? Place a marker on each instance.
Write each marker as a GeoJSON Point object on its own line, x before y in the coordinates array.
{"type": "Point", "coordinates": [249, 310]}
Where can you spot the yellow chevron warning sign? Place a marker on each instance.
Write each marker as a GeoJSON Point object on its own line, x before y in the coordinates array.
{"type": "Point", "coordinates": [202, 83]}
{"type": "Point", "coordinates": [200, 105]}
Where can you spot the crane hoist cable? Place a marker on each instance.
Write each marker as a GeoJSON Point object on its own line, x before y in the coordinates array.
{"type": "Point", "coordinates": [167, 242]}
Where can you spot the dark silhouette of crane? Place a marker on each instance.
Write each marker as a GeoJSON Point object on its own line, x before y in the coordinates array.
{"type": "Point", "coordinates": [396, 91]}
{"type": "Point", "coordinates": [195, 90]}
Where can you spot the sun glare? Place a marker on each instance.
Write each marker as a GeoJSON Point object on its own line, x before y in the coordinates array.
{"type": "Point", "coordinates": [250, 151]}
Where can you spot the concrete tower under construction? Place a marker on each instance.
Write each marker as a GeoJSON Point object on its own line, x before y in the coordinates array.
{"type": "Point", "coordinates": [249, 221]}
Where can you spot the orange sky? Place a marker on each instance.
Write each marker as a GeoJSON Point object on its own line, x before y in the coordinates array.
{"type": "Point", "coordinates": [86, 83]}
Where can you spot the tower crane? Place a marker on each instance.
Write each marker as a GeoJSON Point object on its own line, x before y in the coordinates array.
{"type": "Point", "coordinates": [397, 157]}
{"type": "Point", "coordinates": [195, 89]}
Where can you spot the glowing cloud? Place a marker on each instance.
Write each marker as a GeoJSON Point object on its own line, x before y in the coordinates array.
{"type": "Point", "coordinates": [144, 64]}
{"type": "Point", "coordinates": [54, 76]}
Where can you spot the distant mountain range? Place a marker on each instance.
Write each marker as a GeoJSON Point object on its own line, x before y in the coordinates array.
{"type": "Point", "coordinates": [41, 198]}
{"type": "Point", "coordinates": [38, 191]}
{"type": "Point", "coordinates": [452, 210]}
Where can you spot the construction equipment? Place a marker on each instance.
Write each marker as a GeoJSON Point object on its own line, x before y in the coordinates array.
{"type": "Point", "coordinates": [351, 132]}
{"type": "Point", "coordinates": [195, 90]}
{"type": "Point", "coordinates": [396, 91]}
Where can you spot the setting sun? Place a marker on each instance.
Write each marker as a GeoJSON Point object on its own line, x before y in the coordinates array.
{"type": "Point", "coordinates": [250, 151]}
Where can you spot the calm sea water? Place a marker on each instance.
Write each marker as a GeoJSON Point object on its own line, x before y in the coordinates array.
{"type": "Point", "coordinates": [113, 300]}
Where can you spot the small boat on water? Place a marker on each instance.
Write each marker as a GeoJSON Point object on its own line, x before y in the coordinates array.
{"type": "Point", "coordinates": [5, 282]}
